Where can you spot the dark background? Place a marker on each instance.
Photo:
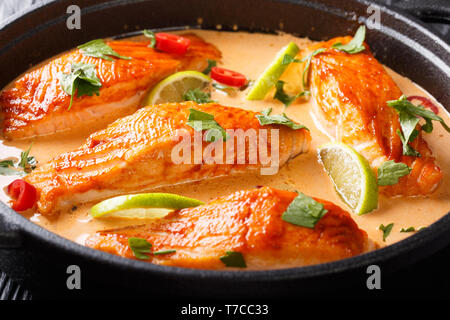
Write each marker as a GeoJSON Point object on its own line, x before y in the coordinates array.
{"type": "Point", "coordinates": [428, 279]}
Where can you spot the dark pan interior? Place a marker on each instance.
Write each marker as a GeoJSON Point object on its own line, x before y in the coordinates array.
{"type": "Point", "coordinates": [402, 44]}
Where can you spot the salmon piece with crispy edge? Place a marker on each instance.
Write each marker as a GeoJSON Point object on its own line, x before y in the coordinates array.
{"type": "Point", "coordinates": [350, 92]}
{"type": "Point", "coordinates": [36, 104]}
{"type": "Point", "coordinates": [248, 222]}
{"type": "Point", "coordinates": [135, 154]}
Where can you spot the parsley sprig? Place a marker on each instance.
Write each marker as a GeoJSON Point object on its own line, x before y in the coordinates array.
{"type": "Point", "coordinates": [304, 211]}
{"type": "Point", "coordinates": [265, 119]}
{"type": "Point", "coordinates": [409, 116]}
{"type": "Point", "coordinates": [200, 121]}
{"type": "Point", "coordinates": [386, 230]}
{"type": "Point", "coordinates": [82, 81]}
{"type": "Point", "coordinates": [99, 49]}
{"type": "Point", "coordinates": [356, 45]}
{"type": "Point", "coordinates": [197, 95]}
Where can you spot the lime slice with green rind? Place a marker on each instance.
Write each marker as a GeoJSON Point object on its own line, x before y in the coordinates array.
{"type": "Point", "coordinates": [172, 88]}
{"type": "Point", "coordinates": [272, 73]}
{"type": "Point", "coordinates": [142, 206]}
{"type": "Point", "coordinates": [352, 176]}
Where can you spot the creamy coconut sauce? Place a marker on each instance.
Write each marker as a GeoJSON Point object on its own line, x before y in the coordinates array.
{"type": "Point", "coordinates": [249, 54]}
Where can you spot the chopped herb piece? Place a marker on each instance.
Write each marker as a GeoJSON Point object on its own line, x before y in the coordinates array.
{"type": "Point", "coordinates": [233, 259]}
{"type": "Point", "coordinates": [386, 230]}
{"type": "Point", "coordinates": [81, 80]}
{"type": "Point", "coordinates": [227, 89]}
{"type": "Point", "coordinates": [164, 252]}
{"type": "Point", "coordinates": [6, 163]}
{"type": "Point", "coordinates": [151, 35]}
{"type": "Point", "coordinates": [408, 117]}
{"type": "Point", "coordinates": [308, 59]}
{"type": "Point", "coordinates": [390, 171]}
{"type": "Point", "coordinates": [288, 59]}
{"type": "Point", "coordinates": [211, 64]}
{"type": "Point", "coordinates": [200, 121]}
{"type": "Point", "coordinates": [410, 229]}
{"type": "Point", "coordinates": [265, 119]}
{"type": "Point", "coordinates": [283, 96]}
{"type": "Point", "coordinates": [99, 49]}
{"type": "Point", "coordinates": [197, 95]}
{"type": "Point", "coordinates": [26, 162]}
{"type": "Point", "coordinates": [7, 168]}
{"type": "Point", "coordinates": [140, 247]}
{"type": "Point", "coordinates": [356, 44]}
{"type": "Point", "coordinates": [304, 211]}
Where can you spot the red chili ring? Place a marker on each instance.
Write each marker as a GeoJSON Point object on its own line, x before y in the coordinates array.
{"type": "Point", "coordinates": [228, 77]}
{"type": "Point", "coordinates": [24, 195]}
{"type": "Point", "coordinates": [172, 43]}
{"type": "Point", "coordinates": [425, 102]}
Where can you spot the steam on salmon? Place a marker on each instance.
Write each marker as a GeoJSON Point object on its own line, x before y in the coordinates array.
{"type": "Point", "coordinates": [147, 149]}
{"type": "Point", "coordinates": [350, 92]}
{"type": "Point", "coordinates": [249, 222]}
{"type": "Point", "coordinates": [36, 104]}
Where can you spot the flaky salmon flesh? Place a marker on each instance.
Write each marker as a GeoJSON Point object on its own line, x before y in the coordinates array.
{"type": "Point", "coordinates": [135, 153]}
{"type": "Point", "coordinates": [350, 92]}
{"type": "Point", "coordinates": [249, 222]}
{"type": "Point", "coordinates": [36, 104]}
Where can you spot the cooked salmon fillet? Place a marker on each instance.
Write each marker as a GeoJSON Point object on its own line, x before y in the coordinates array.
{"type": "Point", "coordinates": [135, 153]}
{"type": "Point", "coordinates": [248, 222]}
{"type": "Point", "coordinates": [36, 104]}
{"type": "Point", "coordinates": [350, 92]}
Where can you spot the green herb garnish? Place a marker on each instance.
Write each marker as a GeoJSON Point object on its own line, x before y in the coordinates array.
{"type": "Point", "coordinates": [283, 96]}
{"type": "Point", "coordinates": [265, 119]}
{"type": "Point", "coordinates": [386, 230]}
{"type": "Point", "coordinates": [410, 229]}
{"type": "Point", "coordinates": [140, 247]}
{"type": "Point", "coordinates": [227, 89]}
{"type": "Point", "coordinates": [409, 114]}
{"type": "Point", "coordinates": [211, 64]}
{"type": "Point", "coordinates": [7, 168]}
{"type": "Point", "coordinates": [390, 171]}
{"type": "Point", "coordinates": [304, 211]}
{"type": "Point", "coordinates": [151, 35]}
{"type": "Point", "coordinates": [25, 165]}
{"type": "Point", "coordinates": [156, 253]}
{"type": "Point", "coordinates": [233, 259]}
{"type": "Point", "coordinates": [356, 44]}
{"type": "Point", "coordinates": [200, 121]}
{"type": "Point", "coordinates": [99, 49]}
{"type": "Point", "coordinates": [81, 80]}
{"type": "Point", "coordinates": [308, 59]}
{"type": "Point", "coordinates": [288, 59]}
{"type": "Point", "coordinates": [28, 163]}
{"type": "Point", "coordinates": [197, 95]}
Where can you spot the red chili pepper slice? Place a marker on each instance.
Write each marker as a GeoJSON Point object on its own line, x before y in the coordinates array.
{"type": "Point", "coordinates": [23, 194]}
{"type": "Point", "coordinates": [228, 77]}
{"type": "Point", "coordinates": [425, 102]}
{"type": "Point", "coordinates": [172, 43]}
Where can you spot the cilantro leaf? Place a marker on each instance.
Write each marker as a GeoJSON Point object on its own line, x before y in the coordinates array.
{"type": "Point", "coordinates": [386, 230]}
{"type": "Point", "coordinates": [409, 118]}
{"type": "Point", "coordinates": [200, 121]}
{"type": "Point", "coordinates": [283, 96]}
{"type": "Point", "coordinates": [288, 59]}
{"type": "Point", "coordinates": [390, 171]}
{"type": "Point", "coordinates": [308, 59]}
{"type": "Point", "coordinates": [356, 44]}
{"type": "Point", "coordinates": [233, 259]}
{"type": "Point", "coordinates": [81, 80]}
{"type": "Point", "coordinates": [410, 229]}
{"type": "Point", "coordinates": [140, 247]}
{"type": "Point", "coordinates": [99, 49]}
{"type": "Point", "coordinates": [151, 35]}
{"type": "Point", "coordinates": [304, 211]}
{"type": "Point", "coordinates": [265, 119]}
{"type": "Point", "coordinates": [26, 162]}
{"type": "Point", "coordinates": [211, 64]}
{"type": "Point", "coordinates": [197, 95]}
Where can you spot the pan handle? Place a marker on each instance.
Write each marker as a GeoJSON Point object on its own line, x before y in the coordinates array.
{"type": "Point", "coordinates": [426, 10]}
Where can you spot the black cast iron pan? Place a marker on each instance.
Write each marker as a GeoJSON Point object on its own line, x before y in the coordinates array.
{"type": "Point", "coordinates": [401, 43]}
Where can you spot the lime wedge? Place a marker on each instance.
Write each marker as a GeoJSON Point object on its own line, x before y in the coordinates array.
{"type": "Point", "coordinates": [172, 88]}
{"type": "Point", "coordinates": [142, 206]}
{"type": "Point", "coordinates": [352, 176]}
{"type": "Point", "coordinates": [272, 73]}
